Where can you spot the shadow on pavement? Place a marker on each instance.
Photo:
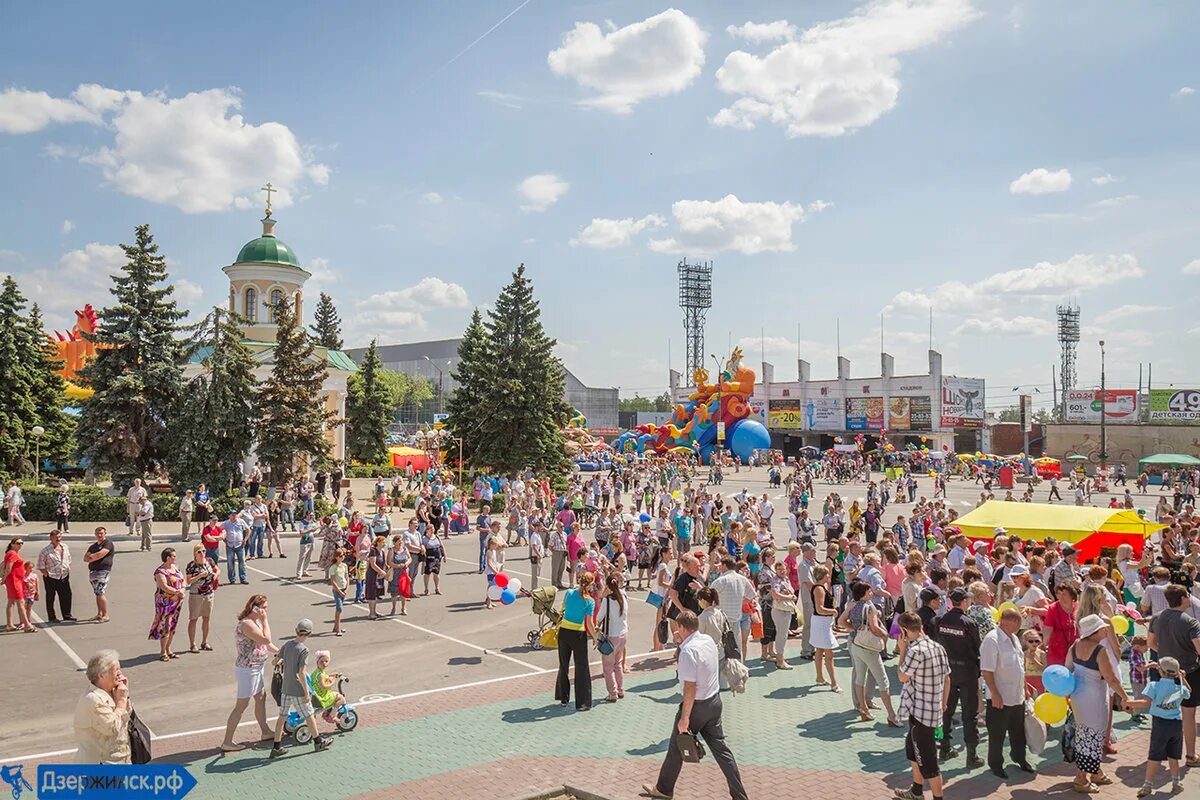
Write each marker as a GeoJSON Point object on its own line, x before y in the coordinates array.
{"type": "Point", "coordinates": [552, 711]}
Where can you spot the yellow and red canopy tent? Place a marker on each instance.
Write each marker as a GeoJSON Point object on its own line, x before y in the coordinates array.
{"type": "Point", "coordinates": [403, 456]}
{"type": "Point", "coordinates": [1087, 529]}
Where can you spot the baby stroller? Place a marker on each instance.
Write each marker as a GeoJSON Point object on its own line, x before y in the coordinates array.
{"type": "Point", "coordinates": [548, 616]}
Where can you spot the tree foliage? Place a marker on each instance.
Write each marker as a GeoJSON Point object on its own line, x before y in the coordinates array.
{"type": "Point", "coordinates": [137, 372]}
{"type": "Point", "coordinates": [18, 414]}
{"type": "Point", "coordinates": [639, 403]}
{"type": "Point", "coordinates": [467, 400]}
{"type": "Point", "coordinates": [515, 411]}
{"type": "Point", "coordinates": [292, 401]}
{"type": "Point", "coordinates": [212, 426]}
{"type": "Point", "coordinates": [47, 388]}
{"type": "Point", "coordinates": [327, 327]}
{"type": "Point", "coordinates": [370, 406]}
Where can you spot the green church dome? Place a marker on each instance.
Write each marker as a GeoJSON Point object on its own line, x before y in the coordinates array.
{"type": "Point", "coordinates": [269, 250]}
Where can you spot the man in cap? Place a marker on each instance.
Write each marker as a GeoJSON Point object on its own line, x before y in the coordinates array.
{"type": "Point", "coordinates": [1067, 568]}
{"type": "Point", "coordinates": [958, 634]}
{"type": "Point", "coordinates": [296, 691]}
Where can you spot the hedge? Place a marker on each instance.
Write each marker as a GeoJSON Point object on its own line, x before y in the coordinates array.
{"type": "Point", "coordinates": [92, 504]}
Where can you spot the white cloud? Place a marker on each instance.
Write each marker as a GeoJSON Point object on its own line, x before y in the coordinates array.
{"type": "Point", "coordinates": [658, 56]}
{"type": "Point", "coordinates": [23, 111]}
{"type": "Point", "coordinates": [1029, 285]}
{"type": "Point", "coordinates": [431, 199]}
{"type": "Point", "coordinates": [78, 277]}
{"type": "Point", "coordinates": [839, 75]}
{"type": "Point", "coordinates": [706, 227]}
{"type": "Point", "coordinates": [757, 32]}
{"type": "Point", "coordinates": [1183, 91]}
{"type": "Point", "coordinates": [817, 206]}
{"type": "Point", "coordinates": [195, 152]}
{"type": "Point", "coordinates": [1106, 179]}
{"type": "Point", "coordinates": [541, 191]}
{"type": "Point", "coordinates": [1113, 202]}
{"type": "Point", "coordinates": [402, 308]}
{"type": "Point", "coordinates": [186, 292]}
{"type": "Point", "coordinates": [323, 275]}
{"type": "Point", "coordinates": [1192, 267]}
{"type": "Point", "coordinates": [1041, 181]}
{"type": "Point", "coordinates": [999, 326]}
{"type": "Point", "coordinates": [1128, 310]}
{"type": "Point", "coordinates": [606, 233]}
{"type": "Point", "coordinates": [67, 227]}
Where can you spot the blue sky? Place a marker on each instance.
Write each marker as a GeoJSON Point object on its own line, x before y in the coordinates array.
{"type": "Point", "coordinates": [988, 159]}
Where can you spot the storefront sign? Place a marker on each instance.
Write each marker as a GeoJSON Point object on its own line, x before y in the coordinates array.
{"type": "Point", "coordinates": [1120, 405]}
{"type": "Point", "coordinates": [785, 414]}
{"type": "Point", "coordinates": [824, 414]}
{"type": "Point", "coordinates": [864, 413]}
{"type": "Point", "coordinates": [1180, 405]}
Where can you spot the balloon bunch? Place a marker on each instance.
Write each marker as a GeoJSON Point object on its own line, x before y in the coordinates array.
{"type": "Point", "coordinates": [1051, 707]}
{"type": "Point", "coordinates": [504, 589]}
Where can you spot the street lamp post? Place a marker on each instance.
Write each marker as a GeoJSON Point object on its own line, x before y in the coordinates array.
{"type": "Point", "coordinates": [37, 432]}
{"type": "Point", "coordinates": [1103, 426]}
{"type": "Point", "coordinates": [720, 425]}
{"type": "Point", "coordinates": [441, 383]}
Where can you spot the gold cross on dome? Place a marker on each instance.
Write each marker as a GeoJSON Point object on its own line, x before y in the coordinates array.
{"type": "Point", "coordinates": [269, 189]}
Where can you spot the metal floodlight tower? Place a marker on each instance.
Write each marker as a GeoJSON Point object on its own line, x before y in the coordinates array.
{"type": "Point", "coordinates": [695, 298]}
{"type": "Point", "coordinates": [1068, 338]}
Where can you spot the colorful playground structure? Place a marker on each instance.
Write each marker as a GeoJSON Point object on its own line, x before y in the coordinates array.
{"type": "Point", "coordinates": [695, 424]}
{"type": "Point", "coordinates": [74, 351]}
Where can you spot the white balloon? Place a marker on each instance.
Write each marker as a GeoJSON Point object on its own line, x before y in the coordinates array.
{"type": "Point", "coordinates": [514, 585]}
{"type": "Point", "coordinates": [494, 592]}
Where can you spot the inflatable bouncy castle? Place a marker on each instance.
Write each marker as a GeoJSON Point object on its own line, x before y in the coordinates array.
{"type": "Point", "coordinates": [74, 351]}
{"type": "Point", "coordinates": [693, 427]}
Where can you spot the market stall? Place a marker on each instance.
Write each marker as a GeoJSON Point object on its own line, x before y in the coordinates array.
{"type": "Point", "coordinates": [1154, 465]}
{"type": "Point", "coordinates": [1087, 529]}
{"type": "Point", "coordinates": [403, 456]}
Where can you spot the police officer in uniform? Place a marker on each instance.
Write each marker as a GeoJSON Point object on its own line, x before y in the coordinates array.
{"type": "Point", "coordinates": [959, 635]}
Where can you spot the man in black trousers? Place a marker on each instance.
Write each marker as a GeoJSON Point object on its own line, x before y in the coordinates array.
{"type": "Point", "coordinates": [54, 562]}
{"type": "Point", "coordinates": [700, 712]}
{"type": "Point", "coordinates": [958, 634]}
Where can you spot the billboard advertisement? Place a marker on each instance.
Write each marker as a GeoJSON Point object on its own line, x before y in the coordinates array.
{"type": "Point", "coordinates": [1120, 405]}
{"type": "Point", "coordinates": [899, 414]}
{"type": "Point", "coordinates": [1177, 405]}
{"type": "Point", "coordinates": [785, 414]}
{"type": "Point", "coordinates": [921, 413]}
{"type": "Point", "coordinates": [864, 413]}
{"type": "Point", "coordinates": [824, 414]}
{"type": "Point", "coordinates": [962, 402]}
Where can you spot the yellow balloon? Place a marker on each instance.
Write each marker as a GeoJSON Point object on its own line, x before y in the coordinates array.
{"type": "Point", "coordinates": [1007, 605]}
{"type": "Point", "coordinates": [344, 522]}
{"type": "Point", "coordinates": [1121, 625]}
{"type": "Point", "coordinates": [1050, 708]}
{"type": "Point", "coordinates": [996, 614]}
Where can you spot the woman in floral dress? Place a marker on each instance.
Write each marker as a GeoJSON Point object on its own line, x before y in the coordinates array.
{"type": "Point", "coordinates": [331, 537]}
{"type": "Point", "coordinates": [168, 601]}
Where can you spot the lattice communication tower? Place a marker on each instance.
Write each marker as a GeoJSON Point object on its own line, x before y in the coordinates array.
{"type": "Point", "coordinates": [1068, 338]}
{"type": "Point", "coordinates": [695, 298]}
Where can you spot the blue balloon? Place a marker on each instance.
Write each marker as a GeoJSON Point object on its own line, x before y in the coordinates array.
{"type": "Point", "coordinates": [1058, 680]}
{"type": "Point", "coordinates": [746, 436]}
{"type": "Point", "coordinates": [644, 518]}
{"type": "Point", "coordinates": [507, 597]}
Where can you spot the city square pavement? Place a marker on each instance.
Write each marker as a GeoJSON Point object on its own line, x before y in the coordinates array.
{"type": "Point", "coordinates": [454, 703]}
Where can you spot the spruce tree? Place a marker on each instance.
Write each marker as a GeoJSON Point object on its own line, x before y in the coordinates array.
{"type": "Point", "coordinates": [211, 429]}
{"type": "Point", "coordinates": [292, 401]}
{"type": "Point", "coordinates": [328, 325]}
{"type": "Point", "coordinates": [523, 412]}
{"type": "Point", "coordinates": [137, 373]}
{"type": "Point", "coordinates": [369, 409]}
{"type": "Point", "coordinates": [47, 388]}
{"type": "Point", "coordinates": [467, 402]}
{"type": "Point", "coordinates": [18, 414]}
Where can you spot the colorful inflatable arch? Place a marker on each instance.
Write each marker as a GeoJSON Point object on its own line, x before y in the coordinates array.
{"type": "Point", "coordinates": [693, 425]}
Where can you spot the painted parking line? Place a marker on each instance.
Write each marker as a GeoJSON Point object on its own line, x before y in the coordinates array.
{"type": "Point", "coordinates": [480, 648]}
{"type": "Point", "coordinates": [476, 565]}
{"type": "Point", "coordinates": [79, 663]}
{"type": "Point", "coordinates": [271, 720]}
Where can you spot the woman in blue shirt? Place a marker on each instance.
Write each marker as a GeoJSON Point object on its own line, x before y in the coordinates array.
{"type": "Point", "coordinates": [574, 633]}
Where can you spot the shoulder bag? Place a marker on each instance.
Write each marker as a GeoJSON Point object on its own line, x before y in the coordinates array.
{"type": "Point", "coordinates": [139, 739]}
{"type": "Point", "coordinates": [603, 644]}
{"type": "Point", "coordinates": [863, 636]}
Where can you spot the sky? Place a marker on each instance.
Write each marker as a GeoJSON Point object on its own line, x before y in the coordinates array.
{"type": "Point", "coordinates": [844, 166]}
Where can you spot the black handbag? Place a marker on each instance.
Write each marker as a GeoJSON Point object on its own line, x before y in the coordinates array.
{"type": "Point", "coordinates": [690, 747]}
{"type": "Point", "coordinates": [277, 682]}
{"type": "Point", "coordinates": [603, 643]}
{"type": "Point", "coordinates": [139, 739]}
{"type": "Point", "coordinates": [729, 642]}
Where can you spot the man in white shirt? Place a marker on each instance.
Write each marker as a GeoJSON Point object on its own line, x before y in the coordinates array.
{"type": "Point", "coordinates": [145, 518]}
{"type": "Point", "coordinates": [957, 557]}
{"type": "Point", "coordinates": [700, 711]}
{"type": "Point", "coordinates": [235, 532]}
{"type": "Point", "coordinates": [766, 511]}
{"type": "Point", "coordinates": [133, 498]}
{"type": "Point", "coordinates": [1002, 662]}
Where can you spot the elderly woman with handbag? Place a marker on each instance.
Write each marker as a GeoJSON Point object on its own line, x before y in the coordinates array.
{"type": "Point", "coordinates": [102, 714]}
